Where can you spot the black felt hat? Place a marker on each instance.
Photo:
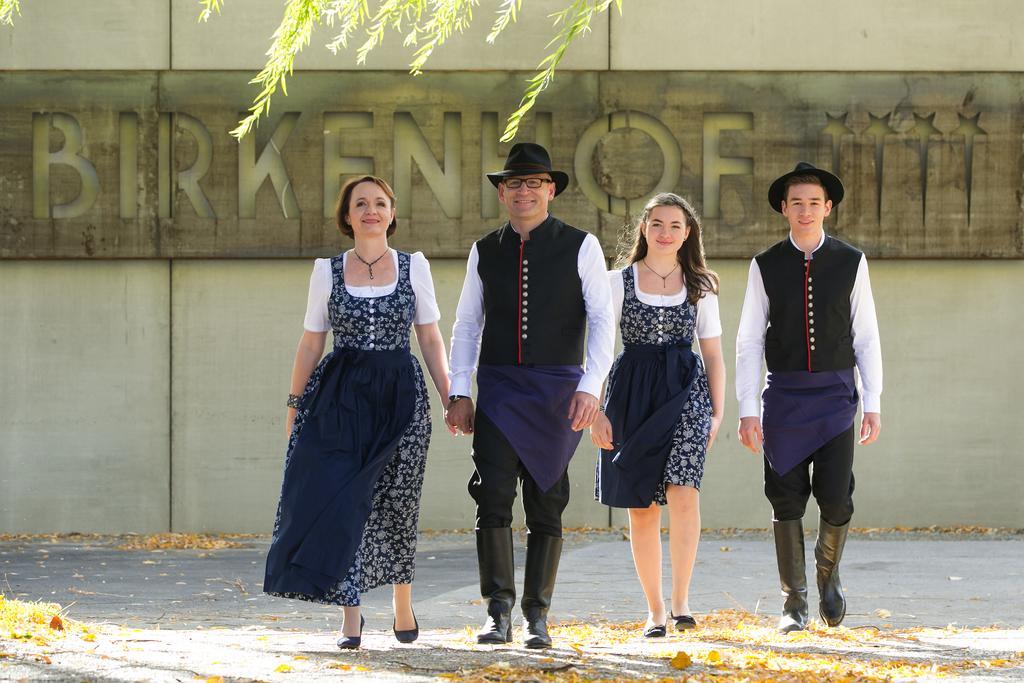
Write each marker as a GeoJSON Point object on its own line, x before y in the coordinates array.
{"type": "Point", "coordinates": [528, 158]}
{"type": "Point", "coordinates": [833, 185]}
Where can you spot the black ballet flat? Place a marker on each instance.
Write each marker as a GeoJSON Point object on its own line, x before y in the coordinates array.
{"type": "Point", "coordinates": [407, 636]}
{"type": "Point", "coordinates": [684, 622]}
{"type": "Point", "coordinates": [655, 631]}
{"type": "Point", "coordinates": [352, 642]}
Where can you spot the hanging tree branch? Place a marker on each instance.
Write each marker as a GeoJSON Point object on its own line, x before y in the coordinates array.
{"type": "Point", "coordinates": [8, 8]}
{"type": "Point", "coordinates": [575, 21]}
{"type": "Point", "coordinates": [428, 24]}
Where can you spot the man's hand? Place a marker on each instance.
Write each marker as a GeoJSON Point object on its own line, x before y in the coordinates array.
{"type": "Point", "coordinates": [750, 434]}
{"type": "Point", "coordinates": [458, 415]}
{"type": "Point", "coordinates": [870, 428]}
{"type": "Point", "coordinates": [601, 432]}
{"type": "Point", "coordinates": [582, 410]}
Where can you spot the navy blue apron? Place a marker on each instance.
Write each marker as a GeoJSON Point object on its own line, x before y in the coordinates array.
{"type": "Point", "coordinates": [651, 386]}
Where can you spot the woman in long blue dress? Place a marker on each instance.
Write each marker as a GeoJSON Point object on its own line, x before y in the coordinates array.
{"type": "Point", "coordinates": [358, 422]}
{"type": "Point", "coordinates": [664, 403]}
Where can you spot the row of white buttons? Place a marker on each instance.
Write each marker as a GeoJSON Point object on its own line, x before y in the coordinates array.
{"type": "Point", "coordinates": [810, 313]}
{"type": "Point", "coordinates": [526, 294]}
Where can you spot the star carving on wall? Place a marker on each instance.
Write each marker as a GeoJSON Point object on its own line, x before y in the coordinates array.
{"type": "Point", "coordinates": [879, 128]}
{"type": "Point", "coordinates": [924, 128]}
{"type": "Point", "coordinates": [970, 129]}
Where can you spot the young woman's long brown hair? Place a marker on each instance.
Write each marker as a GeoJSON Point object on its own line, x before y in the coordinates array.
{"type": "Point", "coordinates": [699, 279]}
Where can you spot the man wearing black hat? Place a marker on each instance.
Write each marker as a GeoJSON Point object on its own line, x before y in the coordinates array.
{"type": "Point", "coordinates": [809, 313]}
{"type": "Point", "coordinates": [534, 288]}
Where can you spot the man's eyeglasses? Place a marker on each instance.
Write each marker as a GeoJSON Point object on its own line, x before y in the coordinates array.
{"type": "Point", "coordinates": [532, 183]}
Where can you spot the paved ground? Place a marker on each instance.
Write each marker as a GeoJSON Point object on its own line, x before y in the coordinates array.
{"type": "Point", "coordinates": [181, 614]}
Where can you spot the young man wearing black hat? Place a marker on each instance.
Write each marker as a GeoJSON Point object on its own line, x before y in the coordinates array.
{"type": "Point", "coordinates": [809, 313]}
{"type": "Point", "coordinates": [534, 288]}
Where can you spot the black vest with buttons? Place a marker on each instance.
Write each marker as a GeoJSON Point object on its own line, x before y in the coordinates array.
{"type": "Point", "coordinates": [534, 312]}
{"type": "Point", "coordinates": [809, 317]}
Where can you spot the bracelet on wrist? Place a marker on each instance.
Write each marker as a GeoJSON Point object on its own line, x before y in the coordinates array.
{"type": "Point", "coordinates": [294, 401]}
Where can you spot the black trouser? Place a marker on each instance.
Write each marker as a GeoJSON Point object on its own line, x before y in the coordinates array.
{"type": "Point", "coordinates": [493, 485]}
{"type": "Point", "coordinates": [831, 483]}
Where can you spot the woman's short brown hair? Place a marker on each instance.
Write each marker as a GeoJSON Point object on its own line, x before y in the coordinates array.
{"type": "Point", "coordinates": [345, 196]}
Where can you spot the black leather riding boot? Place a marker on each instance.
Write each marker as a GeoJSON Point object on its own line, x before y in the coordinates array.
{"type": "Point", "coordinates": [789, 553]}
{"type": "Point", "coordinates": [828, 551]}
{"type": "Point", "coordinates": [542, 555]}
{"type": "Point", "coordinates": [497, 583]}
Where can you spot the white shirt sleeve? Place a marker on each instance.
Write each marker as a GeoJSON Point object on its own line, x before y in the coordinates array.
{"type": "Point", "coordinates": [597, 296]}
{"type": "Point", "coordinates": [320, 285]}
{"type": "Point", "coordinates": [423, 285]}
{"type": "Point", "coordinates": [867, 346]}
{"type": "Point", "coordinates": [750, 344]}
{"type": "Point", "coordinates": [468, 329]}
{"type": "Point", "coordinates": [709, 322]}
{"type": "Point", "coordinates": [618, 292]}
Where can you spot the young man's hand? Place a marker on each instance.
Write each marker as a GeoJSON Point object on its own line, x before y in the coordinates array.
{"type": "Point", "coordinates": [870, 428]}
{"type": "Point", "coordinates": [582, 410]}
{"type": "Point", "coordinates": [750, 434]}
{"type": "Point", "coordinates": [458, 415]}
{"type": "Point", "coordinates": [601, 432]}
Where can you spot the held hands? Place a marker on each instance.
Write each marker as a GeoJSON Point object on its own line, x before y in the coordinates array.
{"type": "Point", "coordinates": [582, 410]}
{"type": "Point", "coordinates": [458, 415]}
{"type": "Point", "coordinates": [750, 434]}
{"type": "Point", "coordinates": [601, 432]}
{"type": "Point", "coordinates": [870, 428]}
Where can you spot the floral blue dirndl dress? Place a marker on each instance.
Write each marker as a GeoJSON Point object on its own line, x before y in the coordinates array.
{"type": "Point", "coordinates": [353, 473]}
{"type": "Point", "coordinates": [658, 402]}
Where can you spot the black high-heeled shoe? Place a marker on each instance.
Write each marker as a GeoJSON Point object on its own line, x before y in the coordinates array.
{"type": "Point", "coordinates": [352, 642]}
{"type": "Point", "coordinates": [407, 636]}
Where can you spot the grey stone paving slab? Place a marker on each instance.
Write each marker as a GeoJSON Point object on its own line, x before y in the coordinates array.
{"type": "Point", "coordinates": [181, 614]}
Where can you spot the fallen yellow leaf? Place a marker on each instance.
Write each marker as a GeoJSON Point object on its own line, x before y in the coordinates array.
{"type": "Point", "coordinates": [300, 657]}
{"type": "Point", "coordinates": [283, 669]}
{"type": "Point", "coordinates": [56, 623]}
{"type": "Point", "coordinates": [338, 665]}
{"type": "Point", "coordinates": [89, 637]}
{"type": "Point", "coordinates": [714, 658]}
{"type": "Point", "coordinates": [215, 679]}
{"type": "Point", "coordinates": [681, 660]}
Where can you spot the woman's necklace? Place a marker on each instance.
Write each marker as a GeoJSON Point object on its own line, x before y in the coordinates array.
{"type": "Point", "coordinates": [369, 264]}
{"type": "Point", "coordinates": [664, 278]}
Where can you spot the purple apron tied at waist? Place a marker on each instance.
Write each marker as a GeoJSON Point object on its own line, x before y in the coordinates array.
{"type": "Point", "coordinates": [530, 406]}
{"type": "Point", "coordinates": [802, 411]}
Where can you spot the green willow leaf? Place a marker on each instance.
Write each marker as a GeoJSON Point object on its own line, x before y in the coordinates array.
{"type": "Point", "coordinates": [8, 8]}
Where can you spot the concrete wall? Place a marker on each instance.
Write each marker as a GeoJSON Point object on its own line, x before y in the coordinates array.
{"type": "Point", "coordinates": [90, 441]}
{"type": "Point", "coordinates": [147, 395]}
{"type": "Point", "coordinates": [84, 396]}
{"type": "Point", "coordinates": [874, 35]}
